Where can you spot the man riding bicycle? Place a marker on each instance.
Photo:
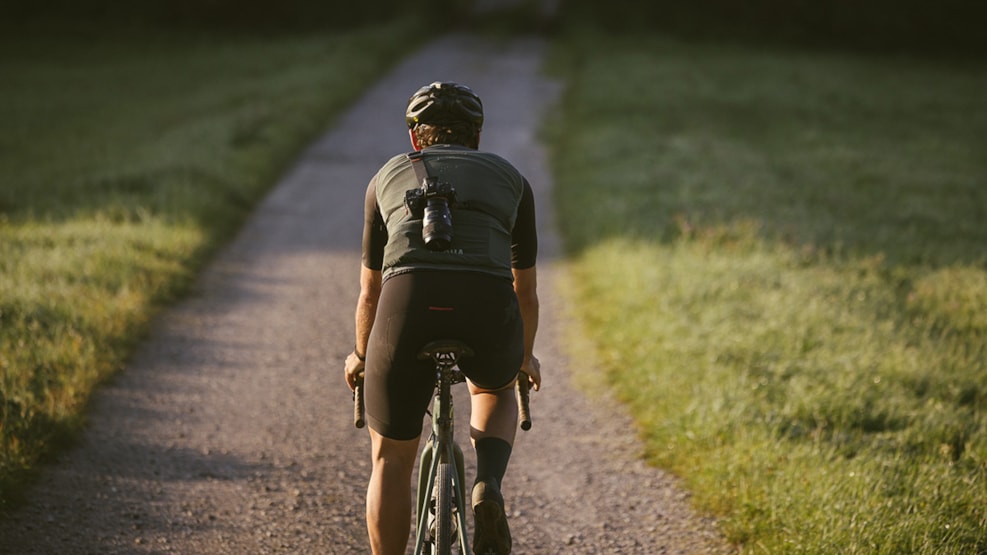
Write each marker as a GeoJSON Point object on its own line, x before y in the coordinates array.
{"type": "Point", "coordinates": [422, 280]}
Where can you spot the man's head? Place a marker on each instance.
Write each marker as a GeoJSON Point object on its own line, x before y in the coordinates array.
{"type": "Point", "coordinates": [445, 113]}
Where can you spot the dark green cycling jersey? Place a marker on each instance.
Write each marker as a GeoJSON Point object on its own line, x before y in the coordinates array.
{"type": "Point", "coordinates": [493, 218]}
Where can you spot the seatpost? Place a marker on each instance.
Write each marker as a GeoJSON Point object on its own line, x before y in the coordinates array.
{"type": "Point", "coordinates": [444, 422]}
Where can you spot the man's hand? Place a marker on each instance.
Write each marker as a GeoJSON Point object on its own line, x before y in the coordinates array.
{"type": "Point", "coordinates": [353, 370]}
{"type": "Point", "coordinates": [532, 369]}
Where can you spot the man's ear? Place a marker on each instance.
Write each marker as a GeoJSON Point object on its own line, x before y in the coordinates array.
{"type": "Point", "coordinates": [414, 140]}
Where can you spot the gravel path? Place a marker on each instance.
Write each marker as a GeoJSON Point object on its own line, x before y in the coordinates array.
{"type": "Point", "coordinates": [230, 431]}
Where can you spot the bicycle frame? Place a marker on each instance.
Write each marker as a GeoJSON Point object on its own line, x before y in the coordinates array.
{"type": "Point", "coordinates": [442, 449]}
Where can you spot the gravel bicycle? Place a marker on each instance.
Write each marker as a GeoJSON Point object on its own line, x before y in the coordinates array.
{"type": "Point", "coordinates": [441, 525]}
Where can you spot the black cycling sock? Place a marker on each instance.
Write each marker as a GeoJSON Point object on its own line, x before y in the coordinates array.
{"type": "Point", "coordinates": [492, 456]}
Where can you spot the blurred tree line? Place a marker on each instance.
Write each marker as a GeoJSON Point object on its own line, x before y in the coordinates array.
{"type": "Point", "coordinates": [907, 26]}
{"type": "Point", "coordinates": [252, 15]}
{"type": "Point", "coordinates": [952, 27]}
{"type": "Point", "coordinates": [942, 27]}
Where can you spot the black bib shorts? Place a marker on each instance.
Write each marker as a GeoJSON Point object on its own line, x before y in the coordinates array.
{"type": "Point", "coordinates": [422, 306]}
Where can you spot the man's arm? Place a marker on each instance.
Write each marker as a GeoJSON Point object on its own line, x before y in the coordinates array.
{"type": "Point", "coordinates": [366, 307]}
{"type": "Point", "coordinates": [374, 239]}
{"type": "Point", "coordinates": [526, 288]}
{"type": "Point", "coordinates": [366, 311]}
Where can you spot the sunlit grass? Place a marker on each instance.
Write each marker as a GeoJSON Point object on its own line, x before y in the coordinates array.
{"type": "Point", "coordinates": [71, 303]}
{"type": "Point", "coordinates": [126, 157]}
{"type": "Point", "coordinates": [780, 257]}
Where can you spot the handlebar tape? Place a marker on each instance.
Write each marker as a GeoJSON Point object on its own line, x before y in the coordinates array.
{"type": "Point", "coordinates": [524, 413]}
{"type": "Point", "coordinates": [358, 408]}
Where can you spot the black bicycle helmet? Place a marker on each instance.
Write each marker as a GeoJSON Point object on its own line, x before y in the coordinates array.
{"type": "Point", "coordinates": [444, 102]}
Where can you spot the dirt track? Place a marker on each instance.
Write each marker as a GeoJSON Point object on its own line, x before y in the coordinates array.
{"type": "Point", "coordinates": [230, 431]}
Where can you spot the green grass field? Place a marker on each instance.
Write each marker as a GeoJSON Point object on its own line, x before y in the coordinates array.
{"type": "Point", "coordinates": [127, 156]}
{"type": "Point", "coordinates": [781, 257]}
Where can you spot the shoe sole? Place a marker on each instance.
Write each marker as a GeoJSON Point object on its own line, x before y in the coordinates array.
{"type": "Point", "coordinates": [493, 536]}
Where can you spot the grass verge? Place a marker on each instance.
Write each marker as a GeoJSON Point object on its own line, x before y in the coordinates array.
{"type": "Point", "coordinates": [780, 257]}
{"type": "Point", "coordinates": [128, 154]}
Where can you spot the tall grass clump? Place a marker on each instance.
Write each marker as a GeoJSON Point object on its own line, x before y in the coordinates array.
{"type": "Point", "coordinates": [128, 152]}
{"type": "Point", "coordinates": [781, 257]}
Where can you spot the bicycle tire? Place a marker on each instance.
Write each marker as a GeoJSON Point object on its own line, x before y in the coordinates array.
{"type": "Point", "coordinates": [443, 509]}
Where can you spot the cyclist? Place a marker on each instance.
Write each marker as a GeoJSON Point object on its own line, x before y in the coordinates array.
{"type": "Point", "coordinates": [481, 290]}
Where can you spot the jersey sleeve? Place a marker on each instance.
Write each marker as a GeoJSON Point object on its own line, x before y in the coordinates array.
{"type": "Point", "coordinates": [374, 230]}
{"type": "Point", "coordinates": [524, 236]}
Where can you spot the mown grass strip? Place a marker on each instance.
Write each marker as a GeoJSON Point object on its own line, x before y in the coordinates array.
{"type": "Point", "coordinates": [780, 255]}
{"type": "Point", "coordinates": [127, 156]}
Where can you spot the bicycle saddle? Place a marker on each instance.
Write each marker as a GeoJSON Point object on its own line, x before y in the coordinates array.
{"type": "Point", "coordinates": [453, 347]}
